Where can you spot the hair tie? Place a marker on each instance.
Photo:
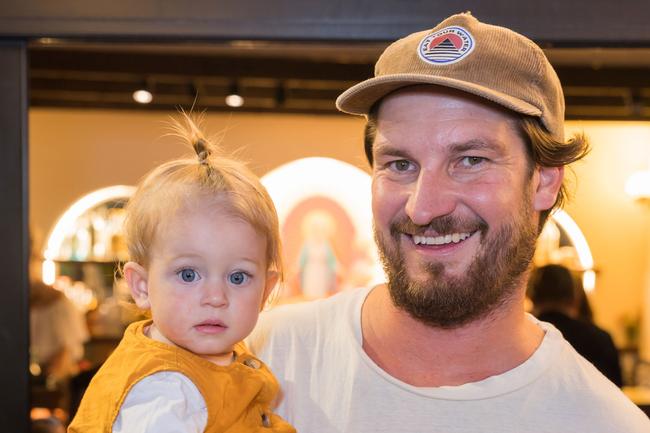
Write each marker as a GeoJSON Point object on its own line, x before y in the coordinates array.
{"type": "Point", "coordinates": [202, 151]}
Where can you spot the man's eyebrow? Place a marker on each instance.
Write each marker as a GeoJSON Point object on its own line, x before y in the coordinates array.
{"type": "Point", "coordinates": [476, 144]}
{"type": "Point", "coordinates": [386, 149]}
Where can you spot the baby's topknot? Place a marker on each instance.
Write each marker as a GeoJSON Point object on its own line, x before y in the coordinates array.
{"type": "Point", "coordinates": [202, 150]}
{"type": "Point", "coordinates": [188, 128]}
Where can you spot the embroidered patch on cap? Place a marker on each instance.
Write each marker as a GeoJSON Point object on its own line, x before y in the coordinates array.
{"type": "Point", "coordinates": [446, 46]}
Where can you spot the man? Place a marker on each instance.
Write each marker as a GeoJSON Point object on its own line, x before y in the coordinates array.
{"type": "Point", "coordinates": [556, 298]}
{"type": "Point", "coordinates": [466, 142]}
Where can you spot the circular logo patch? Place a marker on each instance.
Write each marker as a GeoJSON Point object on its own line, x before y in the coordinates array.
{"type": "Point", "coordinates": [446, 46]}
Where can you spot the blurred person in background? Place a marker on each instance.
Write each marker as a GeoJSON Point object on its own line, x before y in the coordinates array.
{"type": "Point", "coordinates": [47, 425]}
{"type": "Point", "coordinates": [559, 300]}
{"type": "Point", "coordinates": [58, 332]}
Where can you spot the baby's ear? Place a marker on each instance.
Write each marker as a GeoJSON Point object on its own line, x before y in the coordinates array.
{"type": "Point", "coordinates": [136, 277]}
{"type": "Point", "coordinates": [271, 281]}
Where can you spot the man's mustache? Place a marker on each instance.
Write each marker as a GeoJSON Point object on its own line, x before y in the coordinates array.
{"type": "Point", "coordinates": [439, 226]}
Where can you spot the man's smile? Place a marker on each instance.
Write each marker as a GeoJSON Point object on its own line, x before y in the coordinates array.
{"type": "Point", "coordinates": [441, 240]}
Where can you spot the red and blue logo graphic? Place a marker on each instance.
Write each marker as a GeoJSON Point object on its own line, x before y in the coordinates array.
{"type": "Point", "coordinates": [446, 46]}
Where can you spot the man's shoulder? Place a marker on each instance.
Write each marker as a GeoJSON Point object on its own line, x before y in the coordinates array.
{"type": "Point", "coordinates": [609, 408]}
{"type": "Point", "coordinates": [574, 386]}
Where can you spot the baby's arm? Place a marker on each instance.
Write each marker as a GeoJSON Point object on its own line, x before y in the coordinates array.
{"type": "Point", "coordinates": [161, 403]}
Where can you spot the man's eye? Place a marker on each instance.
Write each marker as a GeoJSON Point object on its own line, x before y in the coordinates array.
{"type": "Point", "coordinates": [238, 278]}
{"type": "Point", "coordinates": [401, 165]}
{"type": "Point", "coordinates": [471, 161]}
{"type": "Point", "coordinates": [188, 275]}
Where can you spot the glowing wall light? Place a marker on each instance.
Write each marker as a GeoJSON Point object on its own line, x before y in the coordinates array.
{"type": "Point", "coordinates": [637, 185]}
{"type": "Point", "coordinates": [66, 223]}
{"type": "Point", "coordinates": [579, 242]}
{"type": "Point", "coordinates": [49, 272]}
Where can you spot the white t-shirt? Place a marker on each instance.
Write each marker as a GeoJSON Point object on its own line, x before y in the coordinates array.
{"type": "Point", "coordinates": [330, 385]}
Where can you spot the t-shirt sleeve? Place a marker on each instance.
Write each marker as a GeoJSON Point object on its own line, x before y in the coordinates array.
{"type": "Point", "coordinates": [164, 402]}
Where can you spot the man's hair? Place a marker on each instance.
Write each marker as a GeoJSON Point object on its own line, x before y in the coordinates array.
{"type": "Point", "coordinates": [541, 148]}
{"type": "Point", "coordinates": [206, 178]}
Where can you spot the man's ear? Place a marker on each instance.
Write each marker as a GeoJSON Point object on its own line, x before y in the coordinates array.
{"type": "Point", "coordinates": [271, 280]}
{"type": "Point", "coordinates": [136, 277]}
{"type": "Point", "coordinates": [548, 186]}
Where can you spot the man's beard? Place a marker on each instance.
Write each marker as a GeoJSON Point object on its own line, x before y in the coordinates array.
{"type": "Point", "coordinates": [491, 279]}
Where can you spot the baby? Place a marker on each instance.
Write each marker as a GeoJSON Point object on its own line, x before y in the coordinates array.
{"type": "Point", "coordinates": [204, 246]}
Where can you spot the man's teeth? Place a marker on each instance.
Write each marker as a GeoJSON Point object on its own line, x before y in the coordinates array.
{"type": "Point", "coordinates": [440, 240]}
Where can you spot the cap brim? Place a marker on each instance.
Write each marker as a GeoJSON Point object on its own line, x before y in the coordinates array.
{"type": "Point", "coordinates": [359, 98]}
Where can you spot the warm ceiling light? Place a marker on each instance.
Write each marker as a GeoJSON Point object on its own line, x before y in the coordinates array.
{"type": "Point", "coordinates": [142, 96]}
{"type": "Point", "coordinates": [234, 100]}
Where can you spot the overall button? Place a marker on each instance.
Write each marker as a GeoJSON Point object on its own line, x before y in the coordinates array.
{"type": "Point", "coordinates": [252, 363]}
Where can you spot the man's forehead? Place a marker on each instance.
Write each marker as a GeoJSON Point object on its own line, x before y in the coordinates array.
{"type": "Point", "coordinates": [460, 136]}
{"type": "Point", "coordinates": [432, 109]}
{"type": "Point", "coordinates": [425, 104]}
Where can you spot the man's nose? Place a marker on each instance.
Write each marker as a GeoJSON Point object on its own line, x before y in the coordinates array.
{"type": "Point", "coordinates": [214, 294]}
{"type": "Point", "coordinates": [432, 195]}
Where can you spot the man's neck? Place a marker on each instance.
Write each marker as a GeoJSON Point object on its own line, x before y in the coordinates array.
{"type": "Point", "coordinates": [426, 356]}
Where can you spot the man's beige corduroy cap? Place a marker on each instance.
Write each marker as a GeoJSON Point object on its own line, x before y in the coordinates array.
{"type": "Point", "coordinates": [492, 62]}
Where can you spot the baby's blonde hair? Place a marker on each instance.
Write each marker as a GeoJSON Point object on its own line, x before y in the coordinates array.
{"type": "Point", "coordinates": [208, 178]}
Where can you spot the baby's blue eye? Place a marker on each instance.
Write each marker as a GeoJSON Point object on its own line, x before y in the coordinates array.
{"type": "Point", "coordinates": [238, 278]}
{"type": "Point", "coordinates": [188, 275]}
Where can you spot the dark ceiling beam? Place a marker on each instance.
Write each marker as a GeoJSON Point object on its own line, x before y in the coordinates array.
{"type": "Point", "coordinates": [96, 66]}
{"type": "Point", "coordinates": [73, 72]}
{"type": "Point", "coordinates": [178, 64]}
{"type": "Point", "coordinates": [556, 22]}
{"type": "Point", "coordinates": [604, 77]}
